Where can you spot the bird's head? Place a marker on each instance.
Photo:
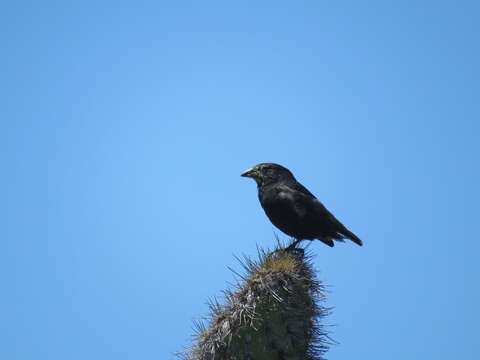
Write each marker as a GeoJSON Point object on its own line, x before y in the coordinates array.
{"type": "Point", "coordinates": [267, 173]}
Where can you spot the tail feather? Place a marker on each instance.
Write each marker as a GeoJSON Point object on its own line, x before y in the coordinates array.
{"type": "Point", "coordinates": [349, 235]}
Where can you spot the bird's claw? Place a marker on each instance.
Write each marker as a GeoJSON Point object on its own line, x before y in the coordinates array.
{"type": "Point", "coordinates": [293, 247]}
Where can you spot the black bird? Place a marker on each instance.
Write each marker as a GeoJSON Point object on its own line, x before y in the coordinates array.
{"type": "Point", "coordinates": [294, 209]}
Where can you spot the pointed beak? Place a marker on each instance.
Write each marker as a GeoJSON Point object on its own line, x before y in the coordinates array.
{"type": "Point", "coordinates": [252, 173]}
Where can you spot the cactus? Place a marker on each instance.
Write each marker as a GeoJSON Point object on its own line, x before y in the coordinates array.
{"type": "Point", "coordinates": [273, 313]}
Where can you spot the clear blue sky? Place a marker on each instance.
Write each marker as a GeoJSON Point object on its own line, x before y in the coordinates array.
{"type": "Point", "coordinates": [125, 126]}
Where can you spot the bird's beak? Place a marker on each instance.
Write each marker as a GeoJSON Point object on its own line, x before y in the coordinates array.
{"type": "Point", "coordinates": [252, 173]}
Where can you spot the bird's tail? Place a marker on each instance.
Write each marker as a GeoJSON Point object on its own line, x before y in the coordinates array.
{"type": "Point", "coordinates": [349, 235]}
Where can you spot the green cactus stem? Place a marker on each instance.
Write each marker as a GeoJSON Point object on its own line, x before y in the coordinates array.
{"type": "Point", "coordinates": [274, 313]}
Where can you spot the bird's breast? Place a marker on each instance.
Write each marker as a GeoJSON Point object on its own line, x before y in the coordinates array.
{"type": "Point", "coordinates": [272, 198]}
{"type": "Point", "coordinates": [280, 208]}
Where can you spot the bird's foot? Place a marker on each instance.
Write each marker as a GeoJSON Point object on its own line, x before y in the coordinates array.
{"type": "Point", "coordinates": [293, 246]}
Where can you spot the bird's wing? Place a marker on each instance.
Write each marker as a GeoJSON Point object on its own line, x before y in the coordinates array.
{"type": "Point", "coordinates": [299, 187]}
{"type": "Point", "coordinates": [322, 212]}
{"type": "Point", "coordinates": [308, 207]}
{"type": "Point", "coordinates": [305, 202]}
{"type": "Point", "coordinates": [298, 197]}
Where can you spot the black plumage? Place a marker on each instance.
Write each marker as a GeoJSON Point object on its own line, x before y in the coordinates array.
{"type": "Point", "coordinates": [295, 210]}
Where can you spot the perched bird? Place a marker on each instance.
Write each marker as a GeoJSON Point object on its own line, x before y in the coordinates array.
{"type": "Point", "coordinates": [294, 209]}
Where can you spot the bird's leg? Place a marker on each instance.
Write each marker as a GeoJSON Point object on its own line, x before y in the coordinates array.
{"type": "Point", "coordinates": [293, 245]}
